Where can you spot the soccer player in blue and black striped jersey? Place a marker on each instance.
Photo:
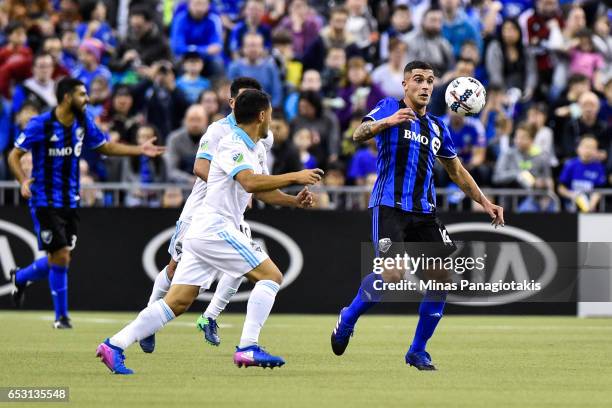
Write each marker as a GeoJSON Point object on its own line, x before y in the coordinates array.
{"type": "Point", "coordinates": [403, 201]}
{"type": "Point", "coordinates": [56, 140]}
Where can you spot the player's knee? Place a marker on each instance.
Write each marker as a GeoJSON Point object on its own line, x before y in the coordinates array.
{"type": "Point", "coordinates": [277, 277]}
{"type": "Point", "coordinates": [178, 305]}
{"type": "Point", "coordinates": [392, 275]}
{"type": "Point", "coordinates": [60, 257]}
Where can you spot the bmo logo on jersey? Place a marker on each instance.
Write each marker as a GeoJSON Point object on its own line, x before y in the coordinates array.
{"type": "Point", "coordinates": [60, 151]}
{"type": "Point", "coordinates": [417, 137]}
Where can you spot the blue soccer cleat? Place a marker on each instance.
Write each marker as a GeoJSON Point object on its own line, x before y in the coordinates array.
{"type": "Point", "coordinates": [255, 356]}
{"type": "Point", "coordinates": [209, 327]}
{"type": "Point", "coordinates": [113, 358]}
{"type": "Point", "coordinates": [341, 335]}
{"type": "Point", "coordinates": [421, 360]}
{"type": "Point", "coordinates": [148, 344]}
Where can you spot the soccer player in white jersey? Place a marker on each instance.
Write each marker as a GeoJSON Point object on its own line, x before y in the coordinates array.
{"type": "Point", "coordinates": [215, 244]}
{"type": "Point", "coordinates": [227, 285]}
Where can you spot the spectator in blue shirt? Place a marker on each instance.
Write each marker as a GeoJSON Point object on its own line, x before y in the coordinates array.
{"type": "Point", "coordinates": [256, 65]}
{"type": "Point", "coordinates": [457, 28]}
{"type": "Point", "coordinates": [94, 24]}
{"type": "Point", "coordinates": [251, 23]}
{"type": "Point", "coordinates": [192, 83]}
{"type": "Point", "coordinates": [197, 29]}
{"type": "Point", "coordinates": [470, 143]}
{"type": "Point", "coordinates": [89, 66]}
{"type": "Point", "coordinates": [70, 49]}
{"type": "Point", "coordinates": [363, 162]}
{"type": "Point", "coordinates": [581, 175]}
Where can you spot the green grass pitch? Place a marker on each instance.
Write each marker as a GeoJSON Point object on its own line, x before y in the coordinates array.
{"type": "Point", "coordinates": [488, 362]}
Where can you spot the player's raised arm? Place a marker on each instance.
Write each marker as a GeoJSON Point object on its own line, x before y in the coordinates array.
{"type": "Point", "coordinates": [370, 127]}
{"type": "Point", "coordinates": [460, 176]}
{"type": "Point", "coordinates": [257, 183]}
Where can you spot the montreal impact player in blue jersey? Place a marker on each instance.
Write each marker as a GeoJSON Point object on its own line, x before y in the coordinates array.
{"type": "Point", "coordinates": [56, 140]}
{"type": "Point", "coordinates": [402, 203]}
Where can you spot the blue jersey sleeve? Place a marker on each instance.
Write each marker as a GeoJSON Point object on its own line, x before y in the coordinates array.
{"type": "Point", "coordinates": [447, 149]}
{"type": "Point", "coordinates": [32, 134]}
{"type": "Point", "coordinates": [384, 108]}
{"type": "Point", "coordinates": [94, 137]}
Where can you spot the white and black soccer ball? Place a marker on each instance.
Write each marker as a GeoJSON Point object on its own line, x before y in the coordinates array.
{"type": "Point", "coordinates": [465, 96]}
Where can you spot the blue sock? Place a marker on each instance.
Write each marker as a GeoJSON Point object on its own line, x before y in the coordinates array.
{"type": "Point", "coordinates": [430, 313]}
{"type": "Point", "coordinates": [366, 297]}
{"type": "Point", "coordinates": [39, 269]}
{"type": "Point", "coordinates": [58, 282]}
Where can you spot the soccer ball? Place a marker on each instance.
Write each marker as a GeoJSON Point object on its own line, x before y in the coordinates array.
{"type": "Point", "coordinates": [465, 96]}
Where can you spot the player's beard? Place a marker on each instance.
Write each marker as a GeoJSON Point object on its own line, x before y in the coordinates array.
{"type": "Point", "coordinates": [76, 110]}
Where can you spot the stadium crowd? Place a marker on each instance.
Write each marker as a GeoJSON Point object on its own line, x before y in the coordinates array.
{"type": "Point", "coordinates": [162, 68]}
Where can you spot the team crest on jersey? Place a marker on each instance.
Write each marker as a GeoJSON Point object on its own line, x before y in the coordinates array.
{"type": "Point", "coordinates": [204, 145]}
{"type": "Point", "coordinates": [384, 244]}
{"type": "Point", "coordinates": [256, 247]}
{"type": "Point", "coordinates": [80, 133]}
{"type": "Point", "coordinates": [238, 158]}
{"type": "Point", "coordinates": [46, 236]}
{"type": "Point", "coordinates": [435, 145]}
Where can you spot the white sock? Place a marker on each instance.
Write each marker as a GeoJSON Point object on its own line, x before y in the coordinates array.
{"type": "Point", "coordinates": [161, 286]}
{"type": "Point", "coordinates": [149, 321]}
{"type": "Point", "coordinates": [226, 288]}
{"type": "Point", "coordinates": [258, 309]}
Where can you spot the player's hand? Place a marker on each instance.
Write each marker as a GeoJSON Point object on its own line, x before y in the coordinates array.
{"type": "Point", "coordinates": [305, 199]}
{"type": "Point", "coordinates": [25, 189]}
{"type": "Point", "coordinates": [496, 212]}
{"type": "Point", "coordinates": [308, 177]}
{"type": "Point", "coordinates": [402, 115]}
{"type": "Point", "coordinates": [150, 150]}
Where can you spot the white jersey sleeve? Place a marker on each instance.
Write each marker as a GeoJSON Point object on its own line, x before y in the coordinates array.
{"type": "Point", "coordinates": [233, 157]}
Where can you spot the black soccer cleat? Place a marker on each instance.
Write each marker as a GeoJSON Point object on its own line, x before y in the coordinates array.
{"type": "Point", "coordinates": [18, 289]}
{"type": "Point", "coordinates": [341, 336]}
{"type": "Point", "coordinates": [62, 323]}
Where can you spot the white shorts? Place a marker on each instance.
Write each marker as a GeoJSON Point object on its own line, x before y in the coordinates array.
{"type": "Point", "coordinates": [229, 252]}
{"type": "Point", "coordinates": [176, 242]}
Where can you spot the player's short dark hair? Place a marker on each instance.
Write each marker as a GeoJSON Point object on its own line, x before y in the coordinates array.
{"type": "Point", "coordinates": [243, 83]}
{"type": "Point", "coordinates": [401, 7]}
{"type": "Point", "coordinates": [249, 104]}
{"type": "Point", "coordinates": [417, 65]}
{"type": "Point", "coordinates": [66, 86]}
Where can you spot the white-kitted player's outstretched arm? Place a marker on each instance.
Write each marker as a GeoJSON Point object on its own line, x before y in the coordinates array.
{"type": "Point", "coordinates": [257, 183]}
